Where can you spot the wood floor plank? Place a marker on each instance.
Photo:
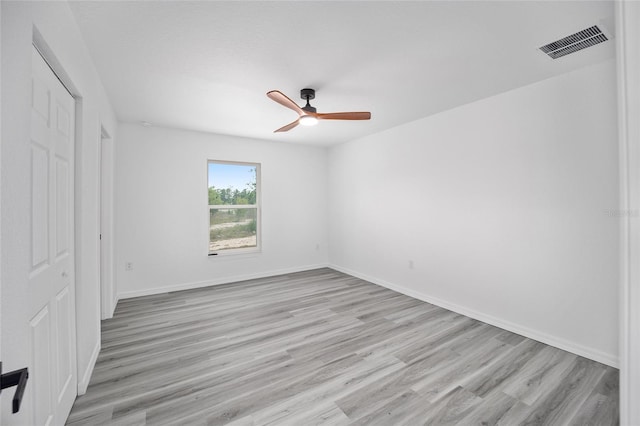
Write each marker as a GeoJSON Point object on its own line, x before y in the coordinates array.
{"type": "Point", "coordinates": [322, 347]}
{"type": "Point", "coordinates": [539, 375]}
{"type": "Point", "coordinates": [562, 404]}
{"type": "Point", "coordinates": [451, 409]}
{"type": "Point", "coordinates": [491, 410]}
{"type": "Point", "coordinates": [393, 412]}
{"type": "Point", "coordinates": [448, 377]}
{"type": "Point", "coordinates": [503, 369]}
{"type": "Point", "coordinates": [358, 404]}
{"type": "Point", "coordinates": [319, 398]}
{"type": "Point", "coordinates": [267, 395]}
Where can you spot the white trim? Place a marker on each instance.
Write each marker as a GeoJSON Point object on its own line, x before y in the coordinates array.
{"type": "Point", "coordinates": [628, 66]}
{"type": "Point", "coordinates": [83, 384]}
{"type": "Point", "coordinates": [225, 280]}
{"type": "Point", "coordinates": [105, 220]}
{"type": "Point", "coordinates": [557, 342]}
{"type": "Point", "coordinates": [234, 252]}
{"type": "Point", "coordinates": [233, 206]}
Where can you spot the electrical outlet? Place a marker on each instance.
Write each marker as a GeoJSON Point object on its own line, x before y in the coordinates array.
{"type": "Point", "coordinates": [411, 264]}
{"type": "Point", "coordinates": [128, 266]}
{"type": "Point", "coordinates": [318, 246]}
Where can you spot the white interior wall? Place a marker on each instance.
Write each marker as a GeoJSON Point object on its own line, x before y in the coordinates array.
{"type": "Point", "coordinates": [506, 208]}
{"type": "Point", "coordinates": [56, 27]}
{"type": "Point", "coordinates": [162, 215]}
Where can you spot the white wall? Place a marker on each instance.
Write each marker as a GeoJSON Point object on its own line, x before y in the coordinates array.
{"type": "Point", "coordinates": [502, 207]}
{"type": "Point", "coordinates": [65, 49]}
{"type": "Point", "coordinates": [162, 217]}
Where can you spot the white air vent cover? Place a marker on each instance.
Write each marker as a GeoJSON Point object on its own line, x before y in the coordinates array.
{"type": "Point", "coordinates": [574, 42]}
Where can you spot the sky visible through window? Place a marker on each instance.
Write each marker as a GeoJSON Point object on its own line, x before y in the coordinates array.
{"type": "Point", "coordinates": [236, 176]}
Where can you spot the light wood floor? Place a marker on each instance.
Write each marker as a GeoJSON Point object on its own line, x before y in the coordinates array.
{"type": "Point", "coordinates": [321, 347]}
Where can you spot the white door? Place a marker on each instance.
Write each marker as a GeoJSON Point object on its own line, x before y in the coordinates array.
{"type": "Point", "coordinates": [42, 319]}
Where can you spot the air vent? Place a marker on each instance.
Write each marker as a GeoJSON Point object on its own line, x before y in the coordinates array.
{"type": "Point", "coordinates": [574, 42]}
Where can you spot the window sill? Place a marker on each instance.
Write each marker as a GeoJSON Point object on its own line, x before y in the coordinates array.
{"type": "Point", "coordinates": [235, 254]}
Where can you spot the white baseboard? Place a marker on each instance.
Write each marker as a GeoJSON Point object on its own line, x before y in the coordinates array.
{"type": "Point", "coordinates": [114, 304]}
{"type": "Point", "coordinates": [225, 280]}
{"type": "Point", "coordinates": [110, 310]}
{"type": "Point", "coordinates": [83, 384]}
{"type": "Point", "coordinates": [548, 339]}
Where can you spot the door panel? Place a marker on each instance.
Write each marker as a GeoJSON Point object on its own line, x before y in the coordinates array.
{"type": "Point", "coordinates": [62, 208]}
{"type": "Point", "coordinates": [39, 207]}
{"type": "Point", "coordinates": [63, 121]}
{"type": "Point", "coordinates": [40, 98]}
{"type": "Point", "coordinates": [40, 371]}
{"type": "Point", "coordinates": [65, 343]}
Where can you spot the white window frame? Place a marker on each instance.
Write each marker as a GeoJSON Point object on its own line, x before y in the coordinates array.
{"type": "Point", "coordinates": [257, 206]}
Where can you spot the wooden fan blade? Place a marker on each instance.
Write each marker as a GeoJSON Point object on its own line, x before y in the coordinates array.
{"type": "Point", "coordinates": [287, 127]}
{"type": "Point", "coordinates": [344, 116]}
{"type": "Point", "coordinates": [282, 99]}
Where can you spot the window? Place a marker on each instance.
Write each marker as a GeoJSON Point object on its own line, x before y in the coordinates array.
{"type": "Point", "coordinates": [234, 207]}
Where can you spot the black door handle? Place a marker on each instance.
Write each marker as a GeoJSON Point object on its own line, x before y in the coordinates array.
{"type": "Point", "coordinates": [15, 378]}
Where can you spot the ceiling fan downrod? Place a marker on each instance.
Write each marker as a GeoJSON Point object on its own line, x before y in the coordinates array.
{"type": "Point", "coordinates": [308, 94]}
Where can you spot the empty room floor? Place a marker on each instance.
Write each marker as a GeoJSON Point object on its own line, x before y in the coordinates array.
{"type": "Point", "coordinates": [322, 347]}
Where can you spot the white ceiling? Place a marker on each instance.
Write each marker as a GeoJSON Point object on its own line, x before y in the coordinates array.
{"type": "Point", "coordinates": [207, 65]}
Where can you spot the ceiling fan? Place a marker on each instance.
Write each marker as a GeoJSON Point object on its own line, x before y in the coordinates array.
{"type": "Point", "coordinates": [307, 114]}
